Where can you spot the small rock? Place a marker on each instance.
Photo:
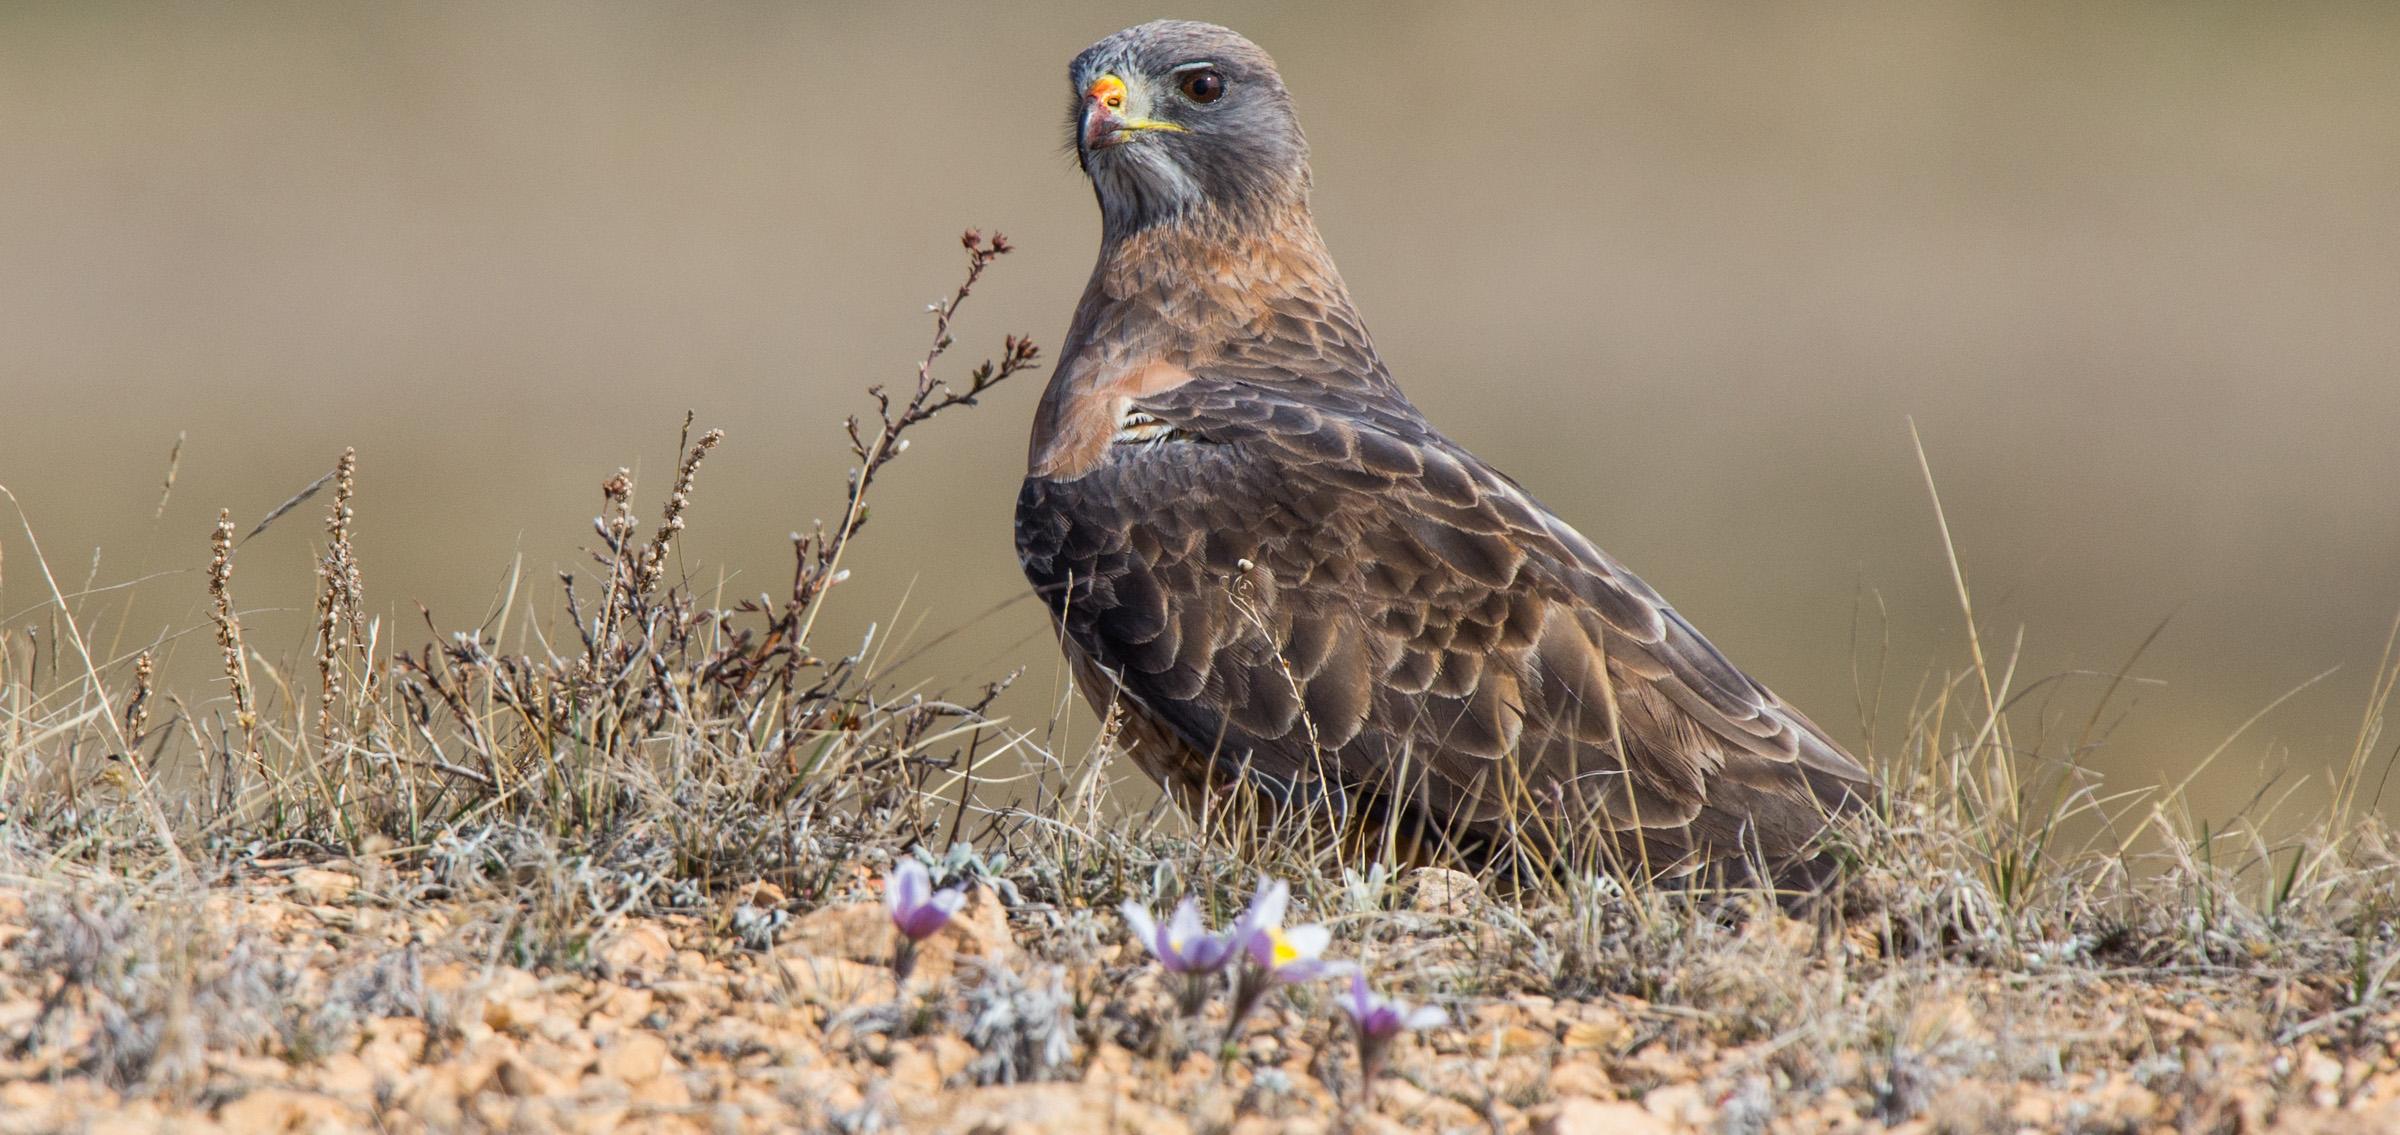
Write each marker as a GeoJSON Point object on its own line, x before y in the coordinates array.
{"type": "Point", "coordinates": [317, 886]}
{"type": "Point", "coordinates": [447, 977]}
{"type": "Point", "coordinates": [2034, 1110]}
{"type": "Point", "coordinates": [493, 1111]}
{"type": "Point", "coordinates": [837, 981]}
{"type": "Point", "coordinates": [1582, 1079]}
{"type": "Point", "coordinates": [620, 1005]}
{"type": "Point", "coordinates": [1422, 1109]}
{"type": "Point", "coordinates": [829, 1086]}
{"type": "Point", "coordinates": [2324, 1076]}
{"type": "Point", "coordinates": [1679, 1104]}
{"type": "Point", "coordinates": [392, 1045]}
{"type": "Point", "coordinates": [1517, 1040]}
{"type": "Point", "coordinates": [1657, 1067]}
{"type": "Point", "coordinates": [1605, 1030]}
{"type": "Point", "coordinates": [663, 1092]}
{"type": "Point", "coordinates": [1438, 890]}
{"type": "Point", "coordinates": [518, 1077]}
{"type": "Point", "coordinates": [345, 1074]}
{"type": "Point", "coordinates": [637, 949]}
{"type": "Point", "coordinates": [1968, 1105]}
{"type": "Point", "coordinates": [1074, 1109]}
{"type": "Point", "coordinates": [760, 893]}
{"type": "Point", "coordinates": [1109, 1064]}
{"type": "Point", "coordinates": [514, 1014]}
{"type": "Point", "coordinates": [1293, 1125]}
{"type": "Point", "coordinates": [914, 1073]}
{"type": "Point", "coordinates": [559, 1025]}
{"type": "Point", "coordinates": [1594, 1117]}
{"type": "Point", "coordinates": [281, 1109]}
{"type": "Point", "coordinates": [635, 1058]}
{"type": "Point", "coordinates": [692, 996]}
{"type": "Point", "coordinates": [951, 1056]}
{"type": "Point", "coordinates": [2125, 1105]}
{"type": "Point", "coordinates": [981, 930]}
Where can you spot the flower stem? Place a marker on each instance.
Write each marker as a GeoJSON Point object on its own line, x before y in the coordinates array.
{"type": "Point", "coordinates": [1195, 993]}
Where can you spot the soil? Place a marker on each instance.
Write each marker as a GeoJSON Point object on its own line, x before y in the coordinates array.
{"type": "Point", "coordinates": [390, 1016]}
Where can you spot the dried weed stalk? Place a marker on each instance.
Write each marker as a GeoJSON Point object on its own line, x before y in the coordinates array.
{"type": "Point", "coordinates": [229, 639]}
{"type": "Point", "coordinates": [137, 706]}
{"type": "Point", "coordinates": [654, 561]}
{"type": "Point", "coordinates": [341, 608]}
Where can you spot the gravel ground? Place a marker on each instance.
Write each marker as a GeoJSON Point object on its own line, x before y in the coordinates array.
{"type": "Point", "coordinates": [291, 996]}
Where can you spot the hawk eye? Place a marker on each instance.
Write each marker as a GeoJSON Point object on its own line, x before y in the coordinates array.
{"type": "Point", "coordinates": [1202, 85]}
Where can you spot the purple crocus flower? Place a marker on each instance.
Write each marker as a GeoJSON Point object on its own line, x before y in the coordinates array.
{"type": "Point", "coordinates": [918, 911]}
{"type": "Point", "coordinates": [1289, 957]}
{"type": "Point", "coordinates": [1279, 957]}
{"type": "Point", "coordinates": [1185, 945]}
{"type": "Point", "coordinates": [1378, 1020]}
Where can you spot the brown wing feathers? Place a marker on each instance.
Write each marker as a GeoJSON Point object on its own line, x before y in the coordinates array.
{"type": "Point", "coordinates": [1402, 601]}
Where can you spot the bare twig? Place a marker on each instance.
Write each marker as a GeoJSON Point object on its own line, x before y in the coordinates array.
{"type": "Point", "coordinates": [821, 554]}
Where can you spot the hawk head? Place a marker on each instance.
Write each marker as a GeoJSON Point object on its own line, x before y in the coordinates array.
{"type": "Point", "coordinates": [1173, 115]}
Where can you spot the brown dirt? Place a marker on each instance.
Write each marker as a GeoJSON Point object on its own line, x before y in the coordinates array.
{"type": "Point", "coordinates": [687, 1023]}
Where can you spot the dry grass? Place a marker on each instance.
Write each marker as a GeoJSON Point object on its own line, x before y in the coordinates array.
{"type": "Point", "coordinates": [2009, 929]}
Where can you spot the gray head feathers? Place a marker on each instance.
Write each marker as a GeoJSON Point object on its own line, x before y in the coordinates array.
{"type": "Point", "coordinates": [1202, 122]}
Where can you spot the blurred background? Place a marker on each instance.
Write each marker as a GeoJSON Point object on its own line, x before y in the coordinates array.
{"type": "Point", "coordinates": [1687, 271]}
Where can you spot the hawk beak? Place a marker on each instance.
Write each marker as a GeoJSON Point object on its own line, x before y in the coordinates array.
{"type": "Point", "coordinates": [1112, 116]}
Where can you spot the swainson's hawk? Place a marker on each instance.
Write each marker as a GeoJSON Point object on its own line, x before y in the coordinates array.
{"type": "Point", "coordinates": [1257, 547]}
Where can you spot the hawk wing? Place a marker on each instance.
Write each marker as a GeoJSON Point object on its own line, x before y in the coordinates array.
{"type": "Point", "coordinates": [1312, 588]}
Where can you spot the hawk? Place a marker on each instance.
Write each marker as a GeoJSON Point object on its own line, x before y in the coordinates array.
{"type": "Point", "coordinates": [1291, 584]}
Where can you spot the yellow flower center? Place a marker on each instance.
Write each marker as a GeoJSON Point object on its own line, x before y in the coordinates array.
{"type": "Point", "coordinates": [1285, 953]}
